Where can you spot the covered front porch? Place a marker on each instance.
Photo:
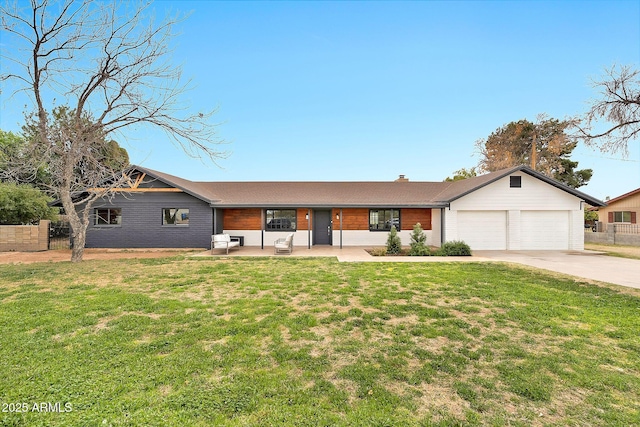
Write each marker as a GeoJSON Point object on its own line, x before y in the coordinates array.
{"type": "Point", "coordinates": [323, 226]}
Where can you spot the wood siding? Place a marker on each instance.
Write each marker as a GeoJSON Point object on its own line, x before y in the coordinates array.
{"type": "Point", "coordinates": [302, 220]}
{"type": "Point", "coordinates": [409, 218]}
{"type": "Point", "coordinates": [242, 219]}
{"type": "Point", "coordinates": [251, 219]}
{"type": "Point", "coordinates": [358, 218]}
{"type": "Point", "coordinates": [352, 219]}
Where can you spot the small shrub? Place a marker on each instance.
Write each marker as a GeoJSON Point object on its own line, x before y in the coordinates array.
{"type": "Point", "coordinates": [418, 242]}
{"type": "Point", "coordinates": [394, 245]}
{"type": "Point", "coordinates": [378, 251]}
{"type": "Point", "coordinates": [455, 248]}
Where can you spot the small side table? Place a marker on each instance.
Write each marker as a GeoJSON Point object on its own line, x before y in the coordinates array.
{"type": "Point", "coordinates": [238, 238]}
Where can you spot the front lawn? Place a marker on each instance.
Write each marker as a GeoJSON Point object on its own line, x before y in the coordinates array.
{"type": "Point", "coordinates": [186, 341]}
{"type": "Point", "coordinates": [622, 251]}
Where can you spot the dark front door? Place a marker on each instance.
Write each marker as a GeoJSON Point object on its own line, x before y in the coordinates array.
{"type": "Point", "coordinates": [322, 227]}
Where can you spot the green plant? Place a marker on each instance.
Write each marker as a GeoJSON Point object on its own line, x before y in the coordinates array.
{"type": "Point", "coordinates": [418, 242]}
{"type": "Point", "coordinates": [394, 245]}
{"type": "Point", "coordinates": [378, 251]}
{"type": "Point", "coordinates": [454, 248]}
{"type": "Point", "coordinates": [24, 204]}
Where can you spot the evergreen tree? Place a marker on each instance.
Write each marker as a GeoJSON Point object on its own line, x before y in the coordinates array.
{"type": "Point", "coordinates": [545, 145]}
{"type": "Point", "coordinates": [394, 245]}
{"type": "Point", "coordinates": [418, 242]}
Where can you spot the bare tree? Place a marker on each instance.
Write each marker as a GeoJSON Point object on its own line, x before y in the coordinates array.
{"type": "Point", "coordinates": [110, 64]}
{"type": "Point", "coordinates": [619, 106]}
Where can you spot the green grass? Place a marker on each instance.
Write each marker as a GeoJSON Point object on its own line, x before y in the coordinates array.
{"type": "Point", "coordinates": [264, 342]}
{"type": "Point", "coordinates": [620, 251]}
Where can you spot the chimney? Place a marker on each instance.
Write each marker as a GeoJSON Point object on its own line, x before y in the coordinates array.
{"type": "Point", "coordinates": [401, 178]}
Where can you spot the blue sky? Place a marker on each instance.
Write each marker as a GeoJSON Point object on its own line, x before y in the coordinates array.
{"type": "Point", "coordinates": [368, 90]}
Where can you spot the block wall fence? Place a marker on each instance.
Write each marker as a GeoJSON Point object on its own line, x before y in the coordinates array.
{"type": "Point", "coordinates": [25, 238]}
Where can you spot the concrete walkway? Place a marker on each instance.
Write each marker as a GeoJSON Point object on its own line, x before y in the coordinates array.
{"type": "Point", "coordinates": [589, 265]}
{"type": "Point", "coordinates": [346, 254]}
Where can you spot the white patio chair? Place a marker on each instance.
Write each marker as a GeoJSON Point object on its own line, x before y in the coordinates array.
{"type": "Point", "coordinates": [283, 245]}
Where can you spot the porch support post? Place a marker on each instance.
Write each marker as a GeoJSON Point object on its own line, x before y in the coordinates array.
{"type": "Point", "coordinates": [442, 225]}
{"type": "Point", "coordinates": [261, 228]}
{"type": "Point", "coordinates": [215, 220]}
{"type": "Point", "coordinates": [340, 228]}
{"type": "Point", "coordinates": [308, 228]}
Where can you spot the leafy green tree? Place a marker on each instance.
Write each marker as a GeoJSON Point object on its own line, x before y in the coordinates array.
{"type": "Point", "coordinates": [10, 145]}
{"type": "Point", "coordinates": [590, 215]}
{"type": "Point", "coordinates": [462, 174]}
{"type": "Point", "coordinates": [394, 245]}
{"type": "Point", "coordinates": [545, 145]}
{"type": "Point", "coordinates": [24, 204]}
{"type": "Point", "coordinates": [418, 242]}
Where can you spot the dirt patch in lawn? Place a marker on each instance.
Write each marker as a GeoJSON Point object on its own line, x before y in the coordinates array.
{"type": "Point", "coordinates": [89, 254]}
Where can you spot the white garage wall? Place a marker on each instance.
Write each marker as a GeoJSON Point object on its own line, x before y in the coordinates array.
{"type": "Point", "coordinates": [576, 230]}
{"type": "Point", "coordinates": [436, 228]}
{"type": "Point", "coordinates": [533, 195]}
{"type": "Point", "coordinates": [514, 230]}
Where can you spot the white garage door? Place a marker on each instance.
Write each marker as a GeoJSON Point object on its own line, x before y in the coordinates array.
{"type": "Point", "coordinates": [544, 230]}
{"type": "Point", "coordinates": [483, 230]}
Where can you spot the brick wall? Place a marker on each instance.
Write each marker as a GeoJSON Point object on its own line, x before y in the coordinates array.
{"type": "Point", "coordinates": [25, 238]}
{"type": "Point", "coordinates": [142, 223]}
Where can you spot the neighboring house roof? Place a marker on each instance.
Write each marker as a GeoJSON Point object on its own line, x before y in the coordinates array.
{"type": "Point", "coordinates": [345, 194]}
{"type": "Point", "coordinates": [624, 196]}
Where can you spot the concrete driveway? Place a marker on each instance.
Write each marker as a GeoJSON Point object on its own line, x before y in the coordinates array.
{"type": "Point", "coordinates": [586, 264]}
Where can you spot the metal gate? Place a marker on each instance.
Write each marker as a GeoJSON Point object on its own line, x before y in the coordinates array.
{"type": "Point", "coordinates": [60, 236]}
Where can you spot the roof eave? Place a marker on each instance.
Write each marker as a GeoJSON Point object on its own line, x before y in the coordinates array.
{"type": "Point", "coordinates": [173, 184]}
{"type": "Point", "coordinates": [623, 196]}
{"type": "Point", "coordinates": [327, 206]}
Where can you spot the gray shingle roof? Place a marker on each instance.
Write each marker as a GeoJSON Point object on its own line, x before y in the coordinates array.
{"type": "Point", "coordinates": [344, 194]}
